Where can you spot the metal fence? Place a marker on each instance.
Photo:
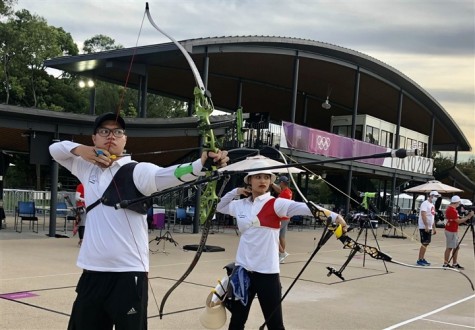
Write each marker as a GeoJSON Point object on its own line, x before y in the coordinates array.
{"type": "Point", "coordinates": [11, 197]}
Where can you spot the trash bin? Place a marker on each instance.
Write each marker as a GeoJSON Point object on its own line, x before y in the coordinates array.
{"type": "Point", "coordinates": [158, 221]}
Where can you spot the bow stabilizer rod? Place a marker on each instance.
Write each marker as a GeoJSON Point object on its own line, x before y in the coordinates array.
{"type": "Point", "coordinates": [398, 153]}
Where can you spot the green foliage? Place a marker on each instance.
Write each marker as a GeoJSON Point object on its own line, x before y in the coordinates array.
{"type": "Point", "coordinates": [164, 107]}
{"type": "Point", "coordinates": [443, 163]}
{"type": "Point", "coordinates": [22, 174]}
{"type": "Point", "coordinates": [6, 7]}
{"type": "Point", "coordinates": [318, 190]}
{"type": "Point", "coordinates": [468, 168]}
{"type": "Point", "coordinates": [100, 43]}
{"type": "Point", "coordinates": [27, 41]}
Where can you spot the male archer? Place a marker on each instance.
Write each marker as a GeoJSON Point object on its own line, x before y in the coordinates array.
{"type": "Point", "coordinates": [113, 288]}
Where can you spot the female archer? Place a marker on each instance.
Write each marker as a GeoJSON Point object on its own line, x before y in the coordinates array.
{"type": "Point", "coordinates": [258, 217]}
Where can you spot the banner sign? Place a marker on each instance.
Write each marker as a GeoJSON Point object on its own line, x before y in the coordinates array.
{"type": "Point", "coordinates": [331, 145]}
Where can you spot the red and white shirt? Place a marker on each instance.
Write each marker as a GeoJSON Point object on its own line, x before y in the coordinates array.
{"type": "Point", "coordinates": [258, 221]}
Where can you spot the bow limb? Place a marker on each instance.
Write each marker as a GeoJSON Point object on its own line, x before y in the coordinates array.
{"type": "Point", "coordinates": [208, 199]}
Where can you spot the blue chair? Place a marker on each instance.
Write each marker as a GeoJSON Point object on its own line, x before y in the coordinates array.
{"type": "Point", "coordinates": [62, 211]}
{"type": "Point", "coordinates": [182, 219]}
{"type": "Point", "coordinates": [26, 211]}
{"type": "Point", "coordinates": [297, 221]}
{"type": "Point", "coordinates": [403, 218]}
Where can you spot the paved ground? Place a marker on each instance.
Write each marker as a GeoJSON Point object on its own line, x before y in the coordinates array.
{"type": "Point", "coordinates": [42, 272]}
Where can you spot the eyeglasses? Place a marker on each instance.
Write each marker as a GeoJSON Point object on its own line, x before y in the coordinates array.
{"type": "Point", "coordinates": [117, 132]}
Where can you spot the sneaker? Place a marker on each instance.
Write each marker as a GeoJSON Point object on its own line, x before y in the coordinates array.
{"type": "Point", "coordinates": [420, 262]}
{"type": "Point", "coordinates": [282, 256]}
{"type": "Point", "coordinates": [426, 262]}
{"type": "Point", "coordinates": [446, 266]}
{"type": "Point", "coordinates": [457, 266]}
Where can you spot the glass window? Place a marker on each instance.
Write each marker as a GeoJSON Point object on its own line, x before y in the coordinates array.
{"type": "Point", "coordinates": [372, 135]}
{"type": "Point", "coordinates": [402, 142]}
{"type": "Point", "coordinates": [386, 139]}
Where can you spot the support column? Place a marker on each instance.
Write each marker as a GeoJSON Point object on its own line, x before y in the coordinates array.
{"type": "Point", "coordinates": [54, 193]}
{"type": "Point", "coordinates": [295, 83]}
{"type": "Point", "coordinates": [92, 101]}
{"type": "Point", "coordinates": [399, 116]}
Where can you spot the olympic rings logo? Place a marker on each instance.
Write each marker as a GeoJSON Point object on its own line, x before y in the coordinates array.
{"type": "Point", "coordinates": [323, 143]}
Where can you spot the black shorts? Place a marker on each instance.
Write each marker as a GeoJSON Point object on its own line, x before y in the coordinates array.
{"type": "Point", "coordinates": [107, 299]}
{"type": "Point", "coordinates": [425, 236]}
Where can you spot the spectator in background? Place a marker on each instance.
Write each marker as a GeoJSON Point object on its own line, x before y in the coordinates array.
{"type": "Point", "coordinates": [80, 212]}
{"type": "Point", "coordinates": [451, 232]}
{"type": "Point", "coordinates": [426, 225]}
{"type": "Point", "coordinates": [284, 192]}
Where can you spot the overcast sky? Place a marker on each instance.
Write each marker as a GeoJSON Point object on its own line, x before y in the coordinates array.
{"type": "Point", "coordinates": [430, 41]}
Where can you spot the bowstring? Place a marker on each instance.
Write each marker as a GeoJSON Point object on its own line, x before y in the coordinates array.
{"type": "Point", "coordinates": [119, 107]}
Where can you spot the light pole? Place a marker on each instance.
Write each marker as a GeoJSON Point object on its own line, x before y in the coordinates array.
{"type": "Point", "coordinates": [92, 94]}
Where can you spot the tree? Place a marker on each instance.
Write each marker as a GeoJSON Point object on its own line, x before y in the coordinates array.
{"type": "Point", "coordinates": [6, 7]}
{"type": "Point", "coordinates": [443, 163]}
{"type": "Point", "coordinates": [164, 107]}
{"type": "Point", "coordinates": [100, 43]}
{"type": "Point", "coordinates": [110, 97]}
{"type": "Point", "coordinates": [468, 168]}
{"type": "Point", "coordinates": [27, 41]}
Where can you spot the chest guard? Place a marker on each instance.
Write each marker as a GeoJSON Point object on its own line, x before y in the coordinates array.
{"type": "Point", "coordinates": [122, 187]}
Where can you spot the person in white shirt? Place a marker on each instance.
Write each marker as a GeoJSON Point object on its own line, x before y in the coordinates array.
{"type": "Point", "coordinates": [257, 265]}
{"type": "Point", "coordinates": [426, 226]}
{"type": "Point", "coordinates": [113, 289]}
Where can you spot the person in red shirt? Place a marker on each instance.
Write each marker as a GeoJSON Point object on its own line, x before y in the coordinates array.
{"type": "Point", "coordinates": [81, 211]}
{"type": "Point", "coordinates": [451, 232]}
{"type": "Point", "coordinates": [284, 192]}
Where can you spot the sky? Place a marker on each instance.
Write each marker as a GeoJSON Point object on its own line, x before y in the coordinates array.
{"type": "Point", "coordinates": [430, 41]}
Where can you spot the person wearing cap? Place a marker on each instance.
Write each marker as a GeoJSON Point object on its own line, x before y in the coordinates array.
{"type": "Point", "coordinates": [451, 232]}
{"type": "Point", "coordinates": [426, 225]}
{"type": "Point", "coordinates": [284, 191]}
{"type": "Point", "coordinates": [257, 266]}
{"type": "Point", "coordinates": [113, 288]}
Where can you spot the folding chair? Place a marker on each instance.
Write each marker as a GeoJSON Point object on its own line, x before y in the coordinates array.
{"type": "Point", "coordinates": [26, 211]}
{"type": "Point", "coordinates": [62, 211]}
{"type": "Point", "coordinates": [182, 218]}
{"type": "Point", "coordinates": [297, 221]}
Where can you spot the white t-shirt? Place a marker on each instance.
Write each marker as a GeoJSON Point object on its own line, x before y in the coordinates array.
{"type": "Point", "coordinates": [115, 240]}
{"type": "Point", "coordinates": [429, 209]}
{"type": "Point", "coordinates": [259, 224]}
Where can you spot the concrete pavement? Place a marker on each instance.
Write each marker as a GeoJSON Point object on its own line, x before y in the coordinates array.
{"type": "Point", "coordinates": [38, 276]}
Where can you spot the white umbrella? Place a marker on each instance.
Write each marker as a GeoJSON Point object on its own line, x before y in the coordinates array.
{"type": "Point", "coordinates": [403, 196]}
{"type": "Point", "coordinates": [438, 186]}
{"type": "Point", "coordinates": [247, 163]}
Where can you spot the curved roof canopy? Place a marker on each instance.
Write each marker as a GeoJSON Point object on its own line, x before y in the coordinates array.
{"type": "Point", "coordinates": [260, 74]}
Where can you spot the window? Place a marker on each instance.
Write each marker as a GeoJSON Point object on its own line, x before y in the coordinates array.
{"type": "Point", "coordinates": [341, 130]}
{"type": "Point", "coordinates": [386, 139]}
{"type": "Point", "coordinates": [372, 135]}
{"type": "Point", "coordinates": [345, 130]}
{"type": "Point", "coordinates": [402, 142]}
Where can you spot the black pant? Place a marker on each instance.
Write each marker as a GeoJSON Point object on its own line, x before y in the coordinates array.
{"type": "Point", "coordinates": [107, 299]}
{"type": "Point", "coordinates": [269, 292]}
{"type": "Point", "coordinates": [81, 231]}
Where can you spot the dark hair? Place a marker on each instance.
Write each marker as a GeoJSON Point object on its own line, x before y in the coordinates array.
{"type": "Point", "coordinates": [108, 116]}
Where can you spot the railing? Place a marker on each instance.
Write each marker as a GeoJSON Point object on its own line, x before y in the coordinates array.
{"type": "Point", "coordinates": [11, 197]}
